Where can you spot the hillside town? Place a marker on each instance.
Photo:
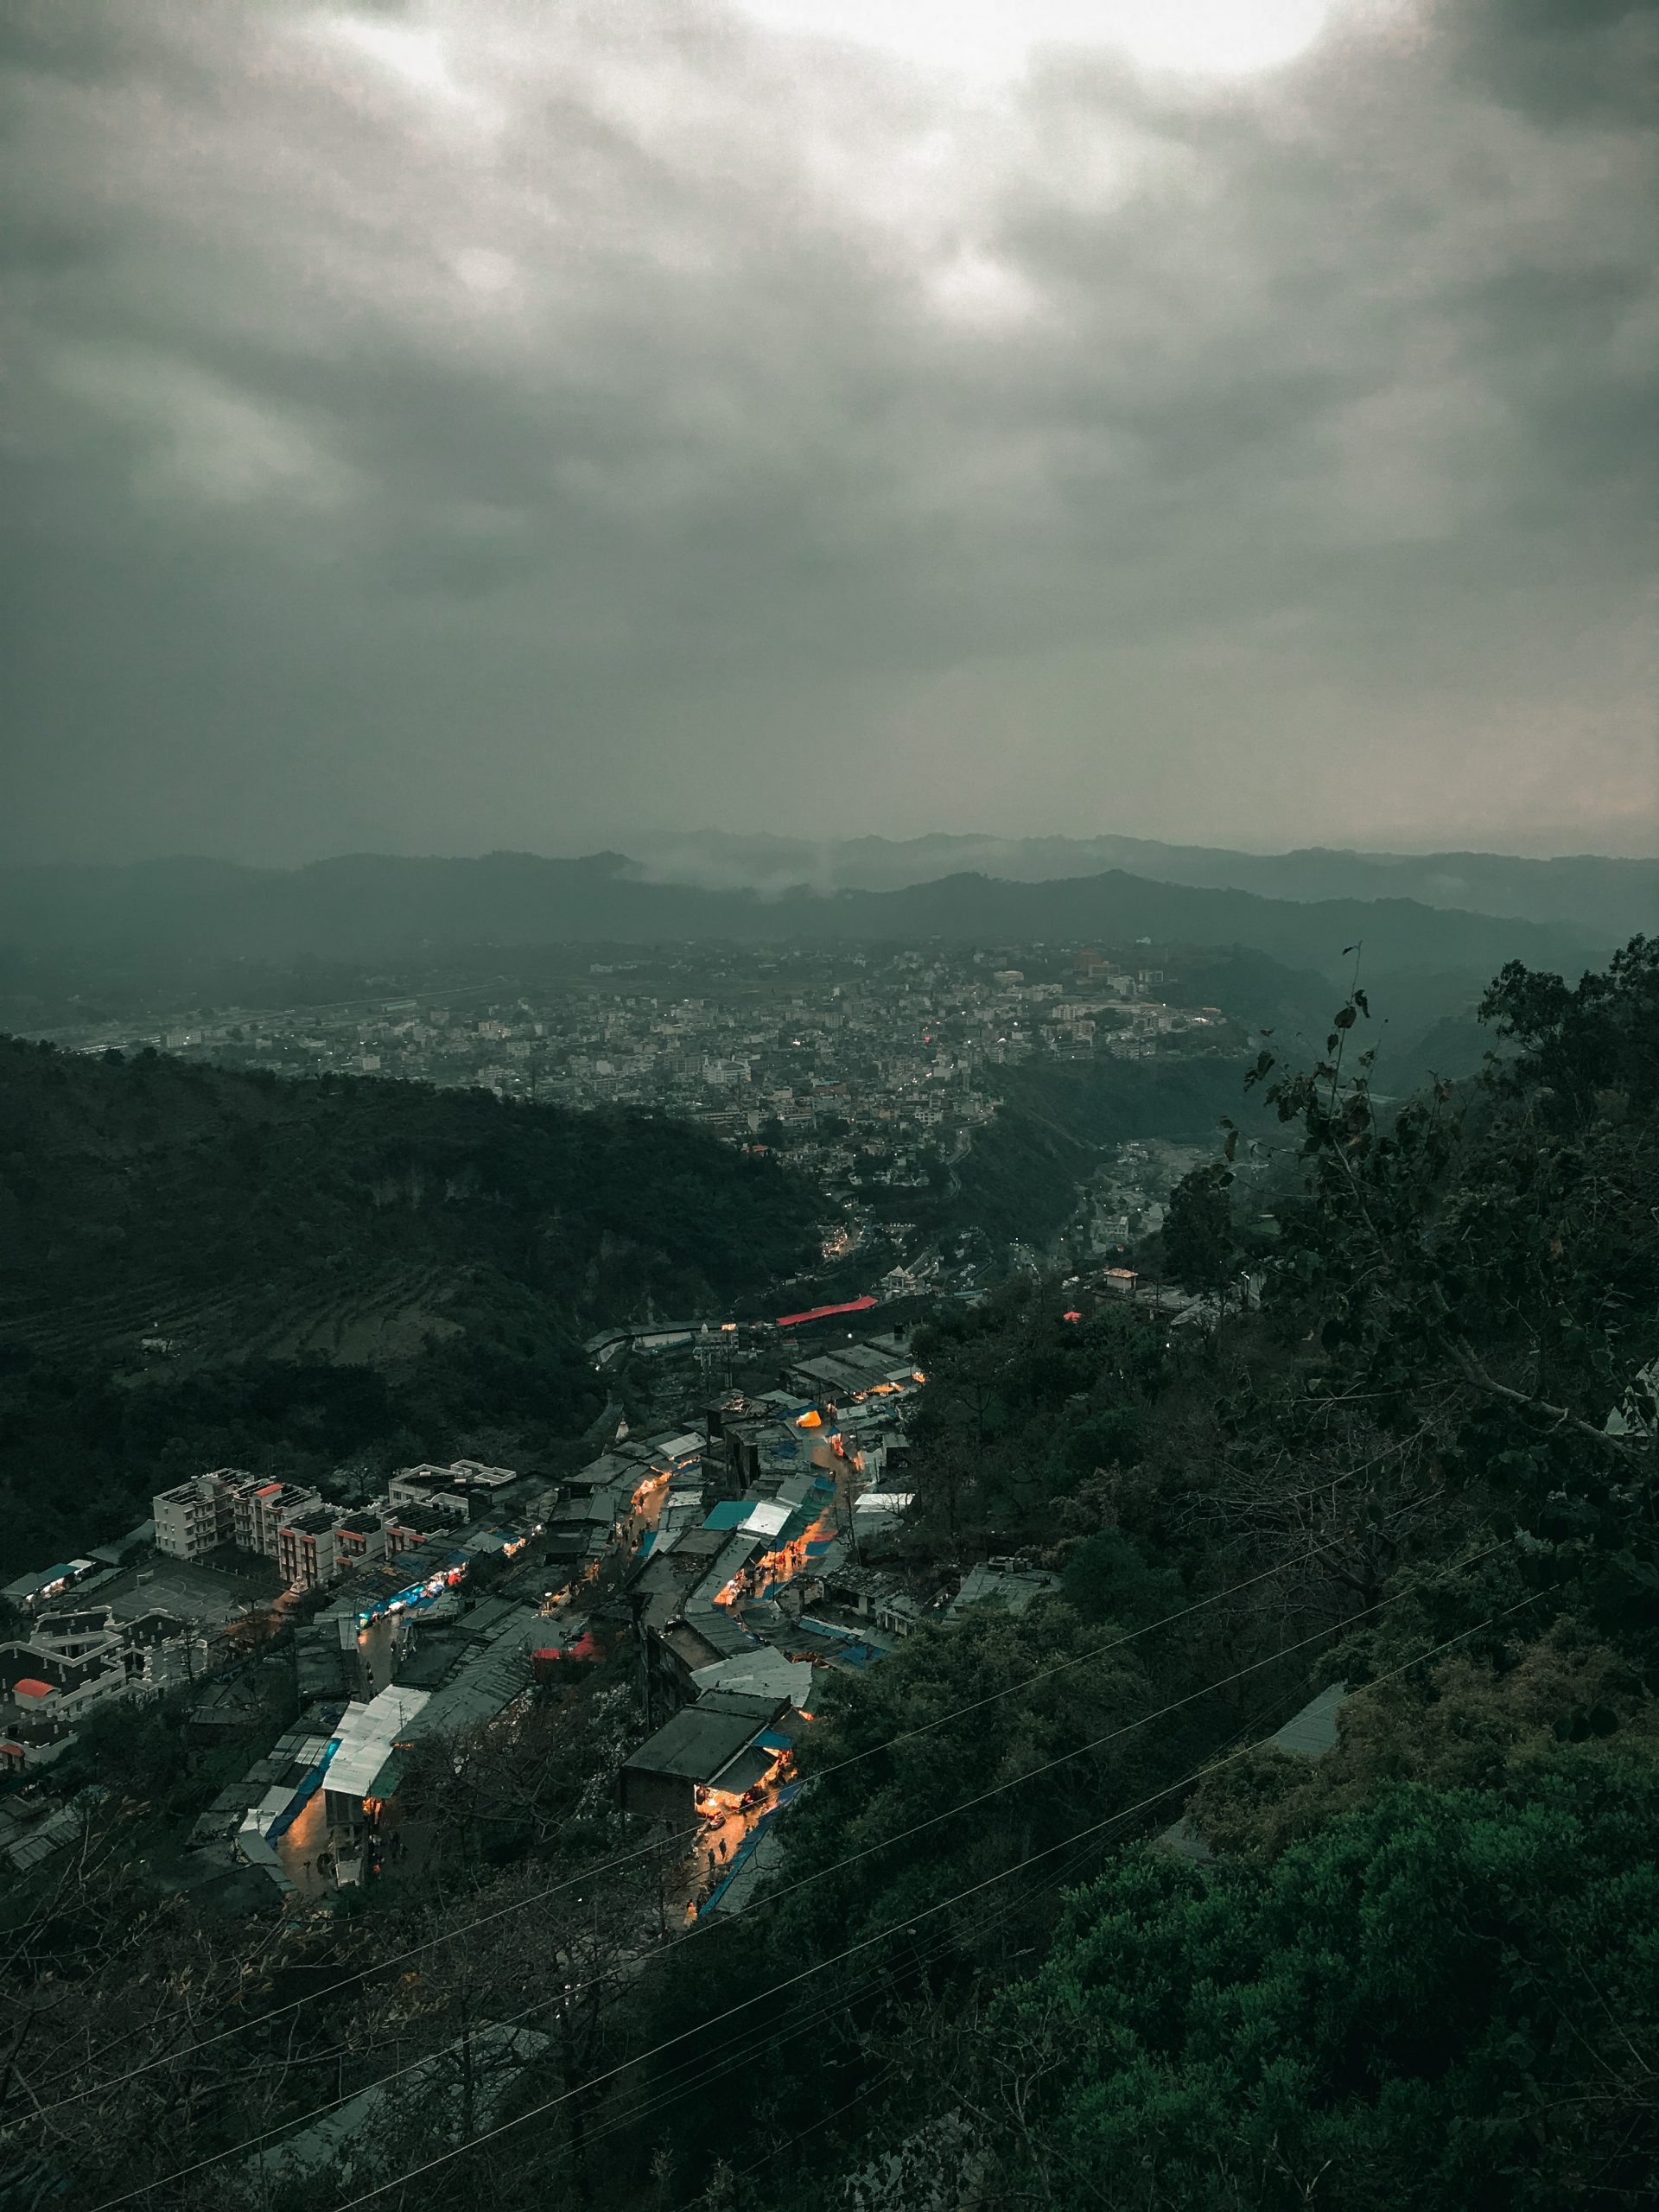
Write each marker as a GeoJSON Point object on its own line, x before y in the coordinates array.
{"type": "Point", "coordinates": [742, 1559]}
{"type": "Point", "coordinates": [738, 1559]}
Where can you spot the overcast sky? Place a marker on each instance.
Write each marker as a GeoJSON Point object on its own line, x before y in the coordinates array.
{"type": "Point", "coordinates": [482, 422]}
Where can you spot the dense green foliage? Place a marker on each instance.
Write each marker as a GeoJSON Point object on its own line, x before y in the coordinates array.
{"type": "Point", "coordinates": [340, 1268]}
{"type": "Point", "coordinates": [1444, 1999]}
{"type": "Point", "coordinates": [1020, 1181]}
{"type": "Point", "coordinates": [1374, 1995]}
{"type": "Point", "coordinates": [1200, 1248]}
{"type": "Point", "coordinates": [1103, 1100]}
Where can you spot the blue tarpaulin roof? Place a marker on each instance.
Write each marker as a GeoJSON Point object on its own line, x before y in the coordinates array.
{"type": "Point", "coordinates": [731, 1513]}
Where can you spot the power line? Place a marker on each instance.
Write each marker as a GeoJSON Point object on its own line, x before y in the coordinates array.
{"type": "Point", "coordinates": [884, 1935]}
{"type": "Point", "coordinates": [751, 2042]}
{"type": "Point", "coordinates": [777, 2149]}
{"type": "Point", "coordinates": [775, 1896]}
{"type": "Point", "coordinates": [645, 1850]}
{"type": "Point", "coordinates": [886, 1843]}
{"type": "Point", "coordinates": [746, 2045]}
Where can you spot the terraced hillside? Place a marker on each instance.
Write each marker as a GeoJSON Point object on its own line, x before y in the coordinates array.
{"type": "Point", "coordinates": [417, 1268]}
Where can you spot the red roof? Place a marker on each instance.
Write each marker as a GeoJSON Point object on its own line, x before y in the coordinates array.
{"type": "Point", "coordinates": [31, 1686]}
{"type": "Point", "coordinates": [823, 1313]}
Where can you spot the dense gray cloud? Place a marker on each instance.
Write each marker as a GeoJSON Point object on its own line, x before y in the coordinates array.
{"type": "Point", "coordinates": [472, 422]}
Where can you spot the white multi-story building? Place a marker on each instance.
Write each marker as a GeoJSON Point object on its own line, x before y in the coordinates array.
{"type": "Point", "coordinates": [197, 1516]}
{"type": "Point", "coordinates": [227, 1506]}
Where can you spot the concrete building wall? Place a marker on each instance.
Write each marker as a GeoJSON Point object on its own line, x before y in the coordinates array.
{"type": "Point", "coordinates": [195, 1516]}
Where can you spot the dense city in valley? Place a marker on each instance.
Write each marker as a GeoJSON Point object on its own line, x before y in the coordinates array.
{"type": "Point", "coordinates": [741, 1537]}
{"type": "Point", "coordinates": [872, 1073]}
{"type": "Point", "coordinates": [888, 1045]}
{"type": "Point", "coordinates": [432, 1607]}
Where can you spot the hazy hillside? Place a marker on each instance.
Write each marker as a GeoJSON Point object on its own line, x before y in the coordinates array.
{"type": "Point", "coordinates": [1607, 899]}
{"type": "Point", "coordinates": [343, 1267]}
{"type": "Point", "coordinates": [372, 905]}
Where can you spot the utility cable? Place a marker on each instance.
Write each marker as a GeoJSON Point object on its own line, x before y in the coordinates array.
{"type": "Point", "coordinates": [886, 1934]}
{"type": "Point", "coordinates": [851, 1859]}
{"type": "Point", "coordinates": [660, 1844]}
{"type": "Point", "coordinates": [774, 1896]}
{"type": "Point", "coordinates": [772, 2035]}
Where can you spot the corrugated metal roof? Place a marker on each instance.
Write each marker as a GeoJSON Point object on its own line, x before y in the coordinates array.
{"type": "Point", "coordinates": [697, 1743]}
{"type": "Point", "coordinates": [768, 1518]}
{"type": "Point", "coordinates": [749, 1768]}
{"type": "Point", "coordinates": [764, 1672]}
{"type": "Point", "coordinates": [367, 1733]}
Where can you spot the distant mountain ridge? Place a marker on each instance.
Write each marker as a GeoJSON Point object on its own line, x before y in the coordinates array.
{"type": "Point", "coordinates": [369, 905]}
{"type": "Point", "coordinates": [1607, 897]}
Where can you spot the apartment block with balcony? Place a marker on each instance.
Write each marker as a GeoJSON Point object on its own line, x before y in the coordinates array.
{"type": "Point", "coordinates": [317, 1546]}
{"type": "Point", "coordinates": [262, 1508]}
{"type": "Point", "coordinates": [197, 1516]}
{"type": "Point", "coordinates": [227, 1506]}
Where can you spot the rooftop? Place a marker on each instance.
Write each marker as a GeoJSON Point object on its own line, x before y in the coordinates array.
{"type": "Point", "coordinates": [697, 1743]}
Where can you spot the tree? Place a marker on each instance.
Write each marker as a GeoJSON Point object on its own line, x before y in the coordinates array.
{"type": "Point", "coordinates": [895, 1755]}
{"type": "Point", "coordinates": [1481, 1273]}
{"type": "Point", "coordinates": [1200, 1246]}
{"type": "Point", "coordinates": [1446, 1998]}
{"type": "Point", "coordinates": [1108, 1578]}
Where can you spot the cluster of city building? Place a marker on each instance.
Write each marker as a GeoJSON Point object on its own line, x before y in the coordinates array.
{"type": "Point", "coordinates": [740, 1558]}
{"type": "Point", "coordinates": [874, 1063]}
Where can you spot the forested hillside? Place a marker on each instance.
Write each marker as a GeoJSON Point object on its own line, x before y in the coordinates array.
{"type": "Point", "coordinates": [337, 1267]}
{"type": "Point", "coordinates": [1054, 1122]}
{"type": "Point", "coordinates": [1417, 1971]}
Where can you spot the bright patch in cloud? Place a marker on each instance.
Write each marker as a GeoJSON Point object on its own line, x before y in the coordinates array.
{"type": "Point", "coordinates": [995, 38]}
{"type": "Point", "coordinates": [196, 439]}
{"type": "Point", "coordinates": [418, 60]}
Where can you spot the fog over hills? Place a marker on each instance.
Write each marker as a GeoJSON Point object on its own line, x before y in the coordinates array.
{"type": "Point", "coordinates": [366, 906]}
{"type": "Point", "coordinates": [1604, 897]}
